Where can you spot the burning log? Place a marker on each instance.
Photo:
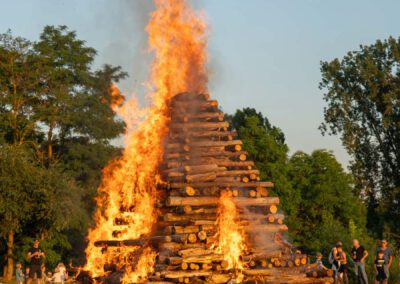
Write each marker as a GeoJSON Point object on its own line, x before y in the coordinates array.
{"type": "Point", "coordinates": [204, 201]}
{"type": "Point", "coordinates": [198, 144]}
{"type": "Point", "coordinates": [180, 274]}
{"type": "Point", "coordinates": [198, 116]}
{"type": "Point", "coordinates": [198, 125]}
{"type": "Point", "coordinates": [320, 273]}
{"type": "Point", "coordinates": [159, 282]}
{"type": "Point", "coordinates": [219, 162]}
{"type": "Point", "coordinates": [194, 252]}
{"type": "Point", "coordinates": [175, 246]}
{"type": "Point", "coordinates": [201, 168]}
{"type": "Point", "coordinates": [217, 154]}
{"type": "Point", "coordinates": [188, 229]}
{"type": "Point", "coordinates": [278, 218]}
{"type": "Point", "coordinates": [197, 134]}
{"type": "Point", "coordinates": [193, 169]}
{"type": "Point", "coordinates": [276, 253]}
{"type": "Point", "coordinates": [202, 235]}
{"type": "Point", "coordinates": [194, 104]}
{"type": "Point", "coordinates": [223, 184]}
{"type": "Point", "coordinates": [201, 177]}
{"type": "Point", "coordinates": [258, 272]}
{"type": "Point", "coordinates": [191, 218]}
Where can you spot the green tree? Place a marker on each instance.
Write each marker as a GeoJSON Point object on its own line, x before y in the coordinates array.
{"type": "Point", "coordinates": [32, 198]}
{"type": "Point", "coordinates": [267, 148]}
{"type": "Point", "coordinates": [19, 81]}
{"type": "Point", "coordinates": [93, 117]}
{"type": "Point", "coordinates": [362, 92]}
{"type": "Point", "coordinates": [84, 147]}
{"type": "Point", "coordinates": [329, 211]}
{"type": "Point", "coordinates": [15, 197]}
{"type": "Point", "coordinates": [65, 73]}
{"type": "Point", "coordinates": [52, 102]}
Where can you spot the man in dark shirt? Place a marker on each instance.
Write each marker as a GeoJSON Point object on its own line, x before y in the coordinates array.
{"type": "Point", "coordinates": [359, 254]}
{"type": "Point", "coordinates": [36, 256]}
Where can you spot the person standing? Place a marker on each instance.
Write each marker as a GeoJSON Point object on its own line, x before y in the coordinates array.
{"type": "Point", "coordinates": [43, 281]}
{"type": "Point", "coordinates": [334, 260]}
{"type": "Point", "coordinates": [359, 254]}
{"type": "Point", "coordinates": [387, 255]}
{"type": "Point", "coordinates": [341, 260]}
{"type": "Point", "coordinates": [19, 275]}
{"type": "Point", "coordinates": [57, 276]}
{"type": "Point", "coordinates": [71, 270]}
{"type": "Point", "coordinates": [380, 274]}
{"type": "Point", "coordinates": [26, 275]}
{"type": "Point", "coordinates": [36, 256]}
{"type": "Point", "coordinates": [63, 271]}
{"type": "Point", "coordinates": [398, 277]}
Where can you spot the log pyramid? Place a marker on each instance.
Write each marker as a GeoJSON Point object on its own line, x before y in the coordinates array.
{"type": "Point", "coordinates": [202, 158]}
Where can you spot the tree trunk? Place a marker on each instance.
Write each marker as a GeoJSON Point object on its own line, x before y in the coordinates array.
{"type": "Point", "coordinates": [50, 143]}
{"type": "Point", "coordinates": [9, 267]}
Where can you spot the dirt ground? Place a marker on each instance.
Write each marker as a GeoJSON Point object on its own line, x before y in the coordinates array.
{"type": "Point", "coordinates": [11, 282]}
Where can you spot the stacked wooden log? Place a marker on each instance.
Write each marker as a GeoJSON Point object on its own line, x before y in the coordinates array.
{"type": "Point", "coordinates": [202, 158]}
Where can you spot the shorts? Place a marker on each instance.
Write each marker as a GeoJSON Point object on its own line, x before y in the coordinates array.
{"type": "Point", "coordinates": [35, 269]}
{"type": "Point", "coordinates": [381, 276]}
{"type": "Point", "coordinates": [343, 268]}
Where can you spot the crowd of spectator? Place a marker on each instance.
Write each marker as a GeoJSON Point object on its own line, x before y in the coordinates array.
{"type": "Point", "coordinates": [383, 259]}
{"type": "Point", "coordinates": [36, 270]}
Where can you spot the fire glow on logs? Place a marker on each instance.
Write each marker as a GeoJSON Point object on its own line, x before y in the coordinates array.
{"type": "Point", "coordinates": [183, 203]}
{"type": "Point", "coordinates": [230, 241]}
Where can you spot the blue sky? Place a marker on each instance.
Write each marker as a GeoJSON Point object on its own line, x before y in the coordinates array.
{"type": "Point", "coordinates": [263, 53]}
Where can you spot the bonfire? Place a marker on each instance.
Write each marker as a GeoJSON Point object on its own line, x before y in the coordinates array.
{"type": "Point", "coordinates": [183, 203]}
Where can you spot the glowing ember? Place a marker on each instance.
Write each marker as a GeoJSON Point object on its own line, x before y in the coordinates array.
{"type": "Point", "coordinates": [231, 241]}
{"type": "Point", "coordinates": [128, 189]}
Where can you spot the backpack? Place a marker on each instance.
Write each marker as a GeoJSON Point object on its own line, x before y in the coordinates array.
{"type": "Point", "coordinates": [331, 258]}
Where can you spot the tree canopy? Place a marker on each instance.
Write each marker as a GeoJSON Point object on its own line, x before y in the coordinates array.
{"type": "Point", "coordinates": [56, 125]}
{"type": "Point", "coordinates": [328, 210]}
{"type": "Point", "coordinates": [362, 93]}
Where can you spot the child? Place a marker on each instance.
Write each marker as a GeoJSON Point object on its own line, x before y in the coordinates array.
{"type": "Point", "coordinates": [19, 276]}
{"type": "Point", "coordinates": [27, 274]}
{"type": "Point", "coordinates": [57, 277]}
{"type": "Point", "coordinates": [49, 277]}
{"type": "Point", "coordinates": [381, 276]}
{"type": "Point", "coordinates": [319, 263]}
{"type": "Point", "coordinates": [63, 271]}
{"type": "Point", "coordinates": [43, 280]}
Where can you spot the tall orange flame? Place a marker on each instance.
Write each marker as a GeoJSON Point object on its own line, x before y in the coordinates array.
{"type": "Point", "coordinates": [144, 266]}
{"type": "Point", "coordinates": [128, 189]}
{"type": "Point", "coordinates": [231, 241]}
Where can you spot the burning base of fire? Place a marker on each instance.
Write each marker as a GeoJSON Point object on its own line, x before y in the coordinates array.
{"type": "Point", "coordinates": [216, 222]}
